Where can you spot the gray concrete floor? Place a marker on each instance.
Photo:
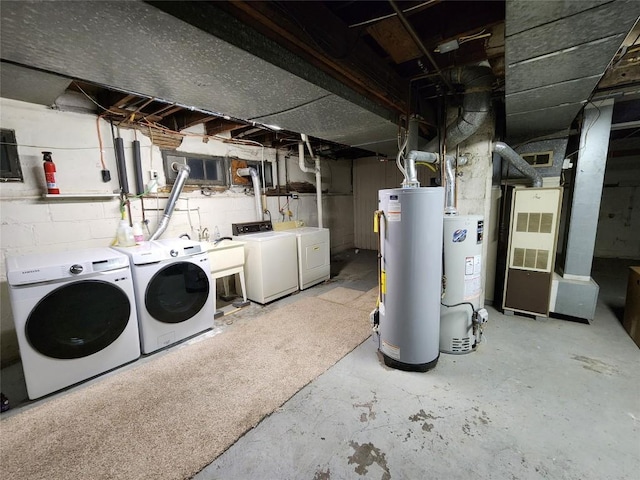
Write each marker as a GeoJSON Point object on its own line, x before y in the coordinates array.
{"type": "Point", "coordinates": [539, 399]}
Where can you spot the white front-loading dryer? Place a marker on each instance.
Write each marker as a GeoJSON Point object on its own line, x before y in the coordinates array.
{"type": "Point", "coordinates": [75, 316]}
{"type": "Point", "coordinates": [173, 290]}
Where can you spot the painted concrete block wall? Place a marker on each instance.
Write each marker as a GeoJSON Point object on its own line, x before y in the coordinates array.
{"type": "Point", "coordinates": [619, 219]}
{"type": "Point", "coordinates": [474, 193]}
{"type": "Point", "coordinates": [29, 223]}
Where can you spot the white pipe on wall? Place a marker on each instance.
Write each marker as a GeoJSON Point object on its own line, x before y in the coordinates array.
{"type": "Point", "coordinates": [315, 170]}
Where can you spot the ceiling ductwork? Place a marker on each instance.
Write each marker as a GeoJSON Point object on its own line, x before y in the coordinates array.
{"type": "Point", "coordinates": [519, 163]}
{"type": "Point", "coordinates": [477, 82]}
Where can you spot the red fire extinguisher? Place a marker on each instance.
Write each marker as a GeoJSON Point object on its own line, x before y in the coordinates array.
{"type": "Point", "coordinates": [50, 173]}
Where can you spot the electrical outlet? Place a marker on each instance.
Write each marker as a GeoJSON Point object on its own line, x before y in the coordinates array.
{"type": "Point", "coordinates": [153, 174]}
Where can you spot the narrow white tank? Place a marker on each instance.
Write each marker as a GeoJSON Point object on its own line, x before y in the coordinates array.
{"type": "Point", "coordinates": [411, 250]}
{"type": "Point", "coordinates": [463, 237]}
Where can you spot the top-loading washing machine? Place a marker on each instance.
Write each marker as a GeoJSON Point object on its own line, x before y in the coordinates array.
{"type": "Point", "coordinates": [75, 315]}
{"type": "Point", "coordinates": [173, 291]}
{"type": "Point", "coordinates": [313, 246]}
{"type": "Point", "coordinates": [271, 263]}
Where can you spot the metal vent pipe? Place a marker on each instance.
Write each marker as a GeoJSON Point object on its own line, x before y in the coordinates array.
{"type": "Point", "coordinates": [255, 178]}
{"type": "Point", "coordinates": [519, 163]}
{"type": "Point", "coordinates": [450, 185]}
{"type": "Point", "coordinates": [183, 174]}
{"type": "Point", "coordinates": [476, 105]}
{"type": "Point", "coordinates": [411, 177]}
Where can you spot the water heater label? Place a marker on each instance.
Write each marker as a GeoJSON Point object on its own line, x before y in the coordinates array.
{"type": "Point", "coordinates": [472, 277]}
{"type": "Point", "coordinates": [468, 266]}
{"type": "Point", "coordinates": [390, 350]}
{"type": "Point", "coordinates": [395, 210]}
{"type": "Point", "coordinates": [459, 235]}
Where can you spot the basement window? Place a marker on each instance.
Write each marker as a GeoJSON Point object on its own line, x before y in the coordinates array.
{"type": "Point", "coordinates": [539, 159]}
{"type": "Point", "coordinates": [10, 171]}
{"type": "Point", "coordinates": [205, 170]}
{"type": "Point", "coordinates": [246, 181]}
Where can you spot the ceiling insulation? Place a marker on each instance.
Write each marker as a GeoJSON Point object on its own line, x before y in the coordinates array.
{"type": "Point", "coordinates": [556, 54]}
{"type": "Point", "coordinates": [342, 71]}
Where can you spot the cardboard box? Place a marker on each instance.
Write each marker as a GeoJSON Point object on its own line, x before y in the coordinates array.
{"type": "Point", "coordinates": [631, 322]}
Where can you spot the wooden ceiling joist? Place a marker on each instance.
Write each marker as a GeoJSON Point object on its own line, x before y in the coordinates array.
{"type": "Point", "coordinates": [166, 111]}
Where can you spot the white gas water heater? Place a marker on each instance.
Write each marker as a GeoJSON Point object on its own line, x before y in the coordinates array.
{"type": "Point", "coordinates": [461, 317]}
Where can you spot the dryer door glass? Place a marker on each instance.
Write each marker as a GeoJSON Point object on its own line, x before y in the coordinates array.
{"type": "Point", "coordinates": [78, 319]}
{"type": "Point", "coordinates": [177, 292]}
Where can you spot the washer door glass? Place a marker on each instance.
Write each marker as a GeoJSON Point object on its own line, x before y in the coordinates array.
{"type": "Point", "coordinates": [78, 319]}
{"type": "Point", "coordinates": [177, 292]}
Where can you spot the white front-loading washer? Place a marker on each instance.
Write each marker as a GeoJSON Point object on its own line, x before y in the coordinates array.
{"type": "Point", "coordinates": [314, 264]}
{"type": "Point", "coordinates": [271, 262]}
{"type": "Point", "coordinates": [75, 316]}
{"type": "Point", "coordinates": [173, 291]}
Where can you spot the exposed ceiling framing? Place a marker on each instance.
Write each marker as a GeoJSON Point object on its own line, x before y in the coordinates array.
{"type": "Point", "coordinates": [346, 73]}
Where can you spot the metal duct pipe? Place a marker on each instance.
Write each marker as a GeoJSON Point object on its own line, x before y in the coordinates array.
{"type": "Point", "coordinates": [519, 163]}
{"type": "Point", "coordinates": [476, 105]}
{"type": "Point", "coordinates": [449, 185]}
{"type": "Point", "coordinates": [255, 179]}
{"type": "Point", "coordinates": [183, 174]}
{"type": "Point", "coordinates": [411, 178]}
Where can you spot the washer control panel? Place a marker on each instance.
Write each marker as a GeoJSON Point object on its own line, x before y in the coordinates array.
{"type": "Point", "coordinates": [251, 227]}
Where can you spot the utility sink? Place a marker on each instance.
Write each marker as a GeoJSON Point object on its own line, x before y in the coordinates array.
{"type": "Point", "coordinates": [225, 255]}
{"type": "Point", "coordinates": [227, 258]}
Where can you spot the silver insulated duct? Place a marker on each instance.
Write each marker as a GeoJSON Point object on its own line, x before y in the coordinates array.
{"type": "Point", "coordinates": [183, 174]}
{"type": "Point", "coordinates": [257, 188]}
{"type": "Point", "coordinates": [477, 82]}
{"type": "Point", "coordinates": [519, 163]}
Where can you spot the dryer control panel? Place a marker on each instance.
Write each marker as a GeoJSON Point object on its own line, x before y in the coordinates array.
{"type": "Point", "coordinates": [251, 227]}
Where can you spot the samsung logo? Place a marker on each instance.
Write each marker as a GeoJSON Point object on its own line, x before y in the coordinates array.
{"type": "Point", "coordinates": [24, 272]}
